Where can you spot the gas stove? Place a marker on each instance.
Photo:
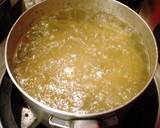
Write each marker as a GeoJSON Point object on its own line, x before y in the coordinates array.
{"type": "Point", "coordinates": [14, 113]}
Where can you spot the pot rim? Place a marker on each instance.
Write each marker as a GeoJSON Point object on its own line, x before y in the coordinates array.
{"type": "Point", "coordinates": [75, 115]}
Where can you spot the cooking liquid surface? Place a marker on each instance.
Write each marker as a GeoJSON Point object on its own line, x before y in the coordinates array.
{"type": "Point", "coordinates": [80, 61]}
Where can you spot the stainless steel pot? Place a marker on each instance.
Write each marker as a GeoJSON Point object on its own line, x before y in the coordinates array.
{"type": "Point", "coordinates": [54, 117]}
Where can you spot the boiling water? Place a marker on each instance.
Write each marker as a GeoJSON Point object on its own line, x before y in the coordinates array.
{"type": "Point", "coordinates": [81, 61]}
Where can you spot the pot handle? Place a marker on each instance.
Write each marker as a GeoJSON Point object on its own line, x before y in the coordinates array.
{"type": "Point", "coordinates": [81, 123]}
{"type": "Point", "coordinates": [105, 123]}
{"type": "Point", "coordinates": [56, 122]}
{"type": "Point", "coordinates": [85, 124]}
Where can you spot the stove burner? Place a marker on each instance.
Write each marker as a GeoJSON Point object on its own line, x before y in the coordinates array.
{"type": "Point", "coordinates": [14, 112]}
